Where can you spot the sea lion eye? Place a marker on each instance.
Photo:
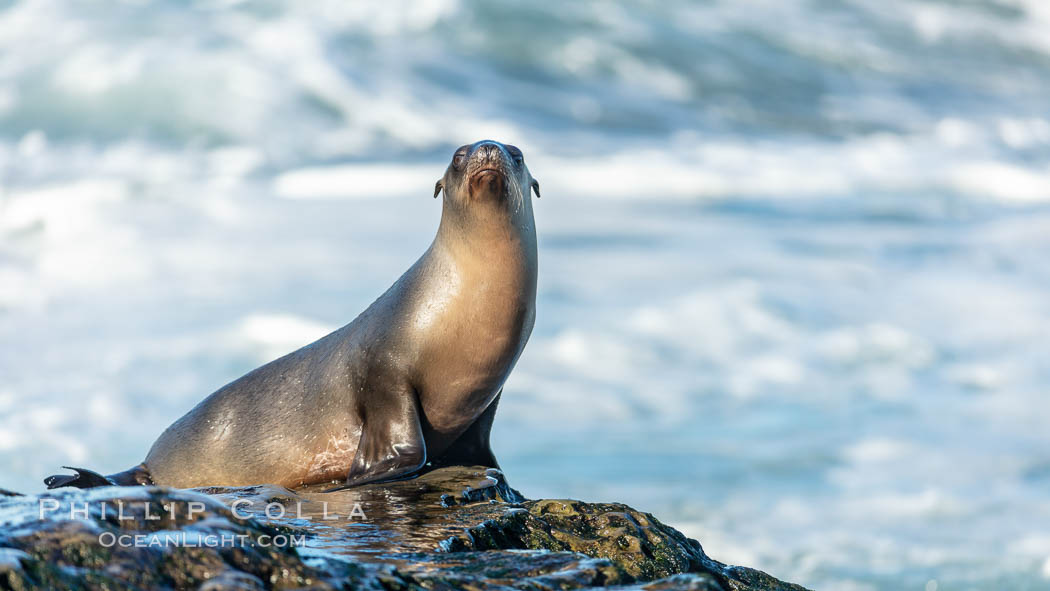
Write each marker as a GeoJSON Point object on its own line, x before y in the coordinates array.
{"type": "Point", "coordinates": [516, 154]}
{"type": "Point", "coordinates": [459, 158]}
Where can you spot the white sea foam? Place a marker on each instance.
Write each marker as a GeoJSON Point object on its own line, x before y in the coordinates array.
{"type": "Point", "coordinates": [692, 169]}
{"type": "Point", "coordinates": [356, 181]}
{"type": "Point", "coordinates": [278, 334]}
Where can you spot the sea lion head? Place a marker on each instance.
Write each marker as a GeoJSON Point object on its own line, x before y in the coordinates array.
{"type": "Point", "coordinates": [487, 172]}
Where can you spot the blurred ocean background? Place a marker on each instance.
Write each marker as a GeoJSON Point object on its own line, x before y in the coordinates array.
{"type": "Point", "coordinates": [794, 254]}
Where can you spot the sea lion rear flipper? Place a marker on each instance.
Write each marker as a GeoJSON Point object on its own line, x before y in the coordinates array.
{"type": "Point", "coordinates": [472, 447]}
{"type": "Point", "coordinates": [137, 476]}
{"type": "Point", "coordinates": [391, 444]}
{"type": "Point", "coordinates": [82, 479]}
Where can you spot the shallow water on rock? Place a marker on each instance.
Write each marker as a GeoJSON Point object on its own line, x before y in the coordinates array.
{"type": "Point", "coordinates": [374, 521]}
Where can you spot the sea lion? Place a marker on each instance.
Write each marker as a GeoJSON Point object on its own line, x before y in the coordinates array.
{"type": "Point", "coordinates": [411, 383]}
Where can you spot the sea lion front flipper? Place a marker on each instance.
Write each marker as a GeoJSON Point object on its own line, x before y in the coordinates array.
{"type": "Point", "coordinates": [391, 444]}
{"type": "Point", "coordinates": [83, 478]}
{"type": "Point", "coordinates": [472, 447]}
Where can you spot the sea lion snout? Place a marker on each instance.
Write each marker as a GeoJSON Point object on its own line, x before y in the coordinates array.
{"type": "Point", "coordinates": [489, 153]}
{"type": "Point", "coordinates": [488, 168]}
{"type": "Point", "coordinates": [488, 156]}
{"type": "Point", "coordinates": [489, 164]}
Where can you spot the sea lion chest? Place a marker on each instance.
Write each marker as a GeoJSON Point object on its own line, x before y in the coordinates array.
{"type": "Point", "coordinates": [476, 318]}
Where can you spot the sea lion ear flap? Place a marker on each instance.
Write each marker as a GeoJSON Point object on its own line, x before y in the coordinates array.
{"type": "Point", "coordinates": [437, 188]}
{"type": "Point", "coordinates": [536, 187]}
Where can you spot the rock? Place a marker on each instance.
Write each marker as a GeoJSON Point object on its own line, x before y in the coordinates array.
{"type": "Point", "coordinates": [146, 538]}
{"type": "Point", "coordinates": [461, 528]}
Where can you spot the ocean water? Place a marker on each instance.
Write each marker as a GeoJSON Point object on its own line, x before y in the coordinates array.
{"type": "Point", "coordinates": [794, 291]}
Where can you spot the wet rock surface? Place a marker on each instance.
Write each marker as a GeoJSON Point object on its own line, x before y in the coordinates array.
{"type": "Point", "coordinates": [453, 528]}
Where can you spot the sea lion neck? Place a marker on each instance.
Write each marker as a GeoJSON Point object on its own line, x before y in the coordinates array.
{"type": "Point", "coordinates": [486, 228]}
